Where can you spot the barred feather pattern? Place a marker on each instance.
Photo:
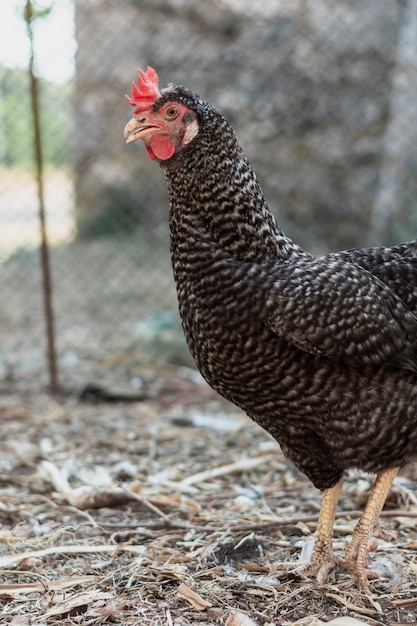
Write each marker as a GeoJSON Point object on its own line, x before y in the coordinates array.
{"type": "Point", "coordinates": [320, 351]}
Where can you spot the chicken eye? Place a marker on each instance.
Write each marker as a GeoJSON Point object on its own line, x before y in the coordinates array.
{"type": "Point", "coordinates": [172, 112]}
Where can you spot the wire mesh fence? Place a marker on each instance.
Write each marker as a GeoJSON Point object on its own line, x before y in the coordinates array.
{"type": "Point", "coordinates": [322, 95]}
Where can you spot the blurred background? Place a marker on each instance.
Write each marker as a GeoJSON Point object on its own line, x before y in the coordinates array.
{"type": "Point", "coordinates": [322, 94]}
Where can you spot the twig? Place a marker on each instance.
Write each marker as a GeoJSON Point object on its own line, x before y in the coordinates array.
{"type": "Point", "coordinates": [278, 521]}
{"type": "Point", "coordinates": [11, 559]}
{"type": "Point", "coordinates": [222, 470]}
{"type": "Point", "coordinates": [149, 505]}
{"type": "Point", "coordinates": [12, 589]}
{"type": "Point", "coordinates": [404, 604]}
{"type": "Point", "coordinates": [44, 247]}
{"type": "Point", "coordinates": [350, 605]}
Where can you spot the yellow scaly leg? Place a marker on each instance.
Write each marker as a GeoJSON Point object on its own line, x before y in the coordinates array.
{"type": "Point", "coordinates": [367, 530]}
{"type": "Point", "coordinates": [323, 560]}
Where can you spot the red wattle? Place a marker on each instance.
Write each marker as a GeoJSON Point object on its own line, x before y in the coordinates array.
{"type": "Point", "coordinates": [162, 147]}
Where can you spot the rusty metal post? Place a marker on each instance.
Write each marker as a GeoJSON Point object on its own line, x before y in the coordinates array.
{"type": "Point", "coordinates": [44, 248]}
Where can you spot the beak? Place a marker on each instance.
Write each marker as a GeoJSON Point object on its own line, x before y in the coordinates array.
{"type": "Point", "coordinates": [137, 128]}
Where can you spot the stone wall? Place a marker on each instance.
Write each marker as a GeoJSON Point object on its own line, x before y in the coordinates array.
{"type": "Point", "coordinates": [307, 85]}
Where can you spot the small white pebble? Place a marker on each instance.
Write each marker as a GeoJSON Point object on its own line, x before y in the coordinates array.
{"type": "Point", "coordinates": [243, 503]}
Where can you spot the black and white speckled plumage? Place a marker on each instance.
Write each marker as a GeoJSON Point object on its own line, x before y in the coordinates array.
{"type": "Point", "coordinates": [320, 351]}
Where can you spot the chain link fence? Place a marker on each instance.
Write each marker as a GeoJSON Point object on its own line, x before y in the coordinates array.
{"type": "Point", "coordinates": [322, 94]}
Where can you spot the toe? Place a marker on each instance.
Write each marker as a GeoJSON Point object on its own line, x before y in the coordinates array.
{"type": "Point", "coordinates": [319, 570]}
{"type": "Point", "coordinates": [357, 558]}
{"type": "Point", "coordinates": [381, 534]}
{"type": "Point", "coordinates": [364, 576]}
{"type": "Point", "coordinates": [320, 565]}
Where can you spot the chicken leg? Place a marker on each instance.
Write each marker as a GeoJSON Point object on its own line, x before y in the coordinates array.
{"type": "Point", "coordinates": [367, 530]}
{"type": "Point", "coordinates": [322, 559]}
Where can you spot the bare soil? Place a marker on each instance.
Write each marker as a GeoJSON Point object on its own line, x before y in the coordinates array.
{"type": "Point", "coordinates": [172, 508]}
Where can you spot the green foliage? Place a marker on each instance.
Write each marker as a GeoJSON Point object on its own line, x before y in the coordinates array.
{"type": "Point", "coordinates": [16, 120]}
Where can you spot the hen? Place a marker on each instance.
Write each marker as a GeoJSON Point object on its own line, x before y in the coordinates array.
{"type": "Point", "coordinates": [320, 351]}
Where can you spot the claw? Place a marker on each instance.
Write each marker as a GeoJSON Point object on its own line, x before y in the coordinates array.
{"type": "Point", "coordinates": [320, 568]}
{"type": "Point", "coordinates": [367, 531]}
{"type": "Point", "coordinates": [317, 567]}
{"type": "Point", "coordinates": [322, 560]}
{"type": "Point", "coordinates": [364, 539]}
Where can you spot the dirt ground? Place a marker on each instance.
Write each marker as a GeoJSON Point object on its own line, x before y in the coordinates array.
{"type": "Point", "coordinates": [168, 507]}
{"type": "Point", "coordinates": [147, 500]}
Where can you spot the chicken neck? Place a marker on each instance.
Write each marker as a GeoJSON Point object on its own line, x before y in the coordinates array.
{"type": "Point", "coordinates": [216, 191]}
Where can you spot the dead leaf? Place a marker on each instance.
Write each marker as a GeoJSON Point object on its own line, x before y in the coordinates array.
{"type": "Point", "coordinates": [239, 619]}
{"type": "Point", "coordinates": [20, 620]}
{"type": "Point", "coordinates": [86, 496]}
{"type": "Point", "coordinates": [192, 597]}
{"type": "Point", "coordinates": [339, 621]}
{"type": "Point", "coordinates": [215, 613]}
{"type": "Point", "coordinates": [15, 589]}
{"type": "Point", "coordinates": [81, 599]}
{"type": "Point", "coordinates": [347, 621]}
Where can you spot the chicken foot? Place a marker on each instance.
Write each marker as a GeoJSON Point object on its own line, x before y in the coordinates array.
{"type": "Point", "coordinates": [367, 530]}
{"type": "Point", "coordinates": [323, 560]}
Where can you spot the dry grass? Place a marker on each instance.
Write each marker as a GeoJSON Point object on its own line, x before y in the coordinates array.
{"type": "Point", "coordinates": [174, 511]}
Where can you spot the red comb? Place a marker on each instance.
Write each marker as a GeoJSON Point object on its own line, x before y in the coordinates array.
{"type": "Point", "coordinates": [146, 91]}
